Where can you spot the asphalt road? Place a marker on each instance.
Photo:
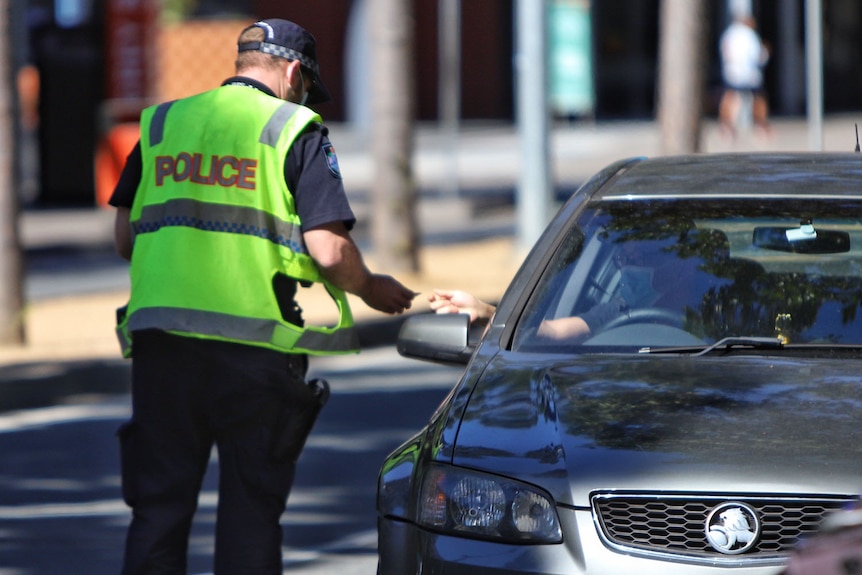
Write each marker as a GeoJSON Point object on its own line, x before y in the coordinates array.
{"type": "Point", "coordinates": [60, 505]}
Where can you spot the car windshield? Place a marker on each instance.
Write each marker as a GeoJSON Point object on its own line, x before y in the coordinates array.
{"type": "Point", "coordinates": [631, 275]}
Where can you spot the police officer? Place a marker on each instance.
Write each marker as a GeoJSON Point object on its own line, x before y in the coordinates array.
{"type": "Point", "coordinates": [230, 199]}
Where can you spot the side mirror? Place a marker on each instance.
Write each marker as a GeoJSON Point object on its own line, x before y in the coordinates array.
{"type": "Point", "coordinates": [441, 338]}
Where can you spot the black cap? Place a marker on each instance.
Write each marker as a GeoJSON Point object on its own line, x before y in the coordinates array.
{"type": "Point", "coordinates": [287, 40]}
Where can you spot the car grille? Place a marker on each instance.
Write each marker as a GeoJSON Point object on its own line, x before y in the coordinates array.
{"type": "Point", "coordinates": [676, 525]}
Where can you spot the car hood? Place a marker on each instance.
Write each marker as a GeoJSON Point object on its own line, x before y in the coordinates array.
{"type": "Point", "coordinates": [733, 424]}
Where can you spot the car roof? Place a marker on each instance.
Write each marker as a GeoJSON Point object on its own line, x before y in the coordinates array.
{"type": "Point", "coordinates": [735, 175]}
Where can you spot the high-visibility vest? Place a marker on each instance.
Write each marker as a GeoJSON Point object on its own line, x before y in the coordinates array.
{"type": "Point", "coordinates": [213, 223]}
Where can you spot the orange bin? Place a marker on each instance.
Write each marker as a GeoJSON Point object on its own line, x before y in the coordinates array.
{"type": "Point", "coordinates": [111, 154]}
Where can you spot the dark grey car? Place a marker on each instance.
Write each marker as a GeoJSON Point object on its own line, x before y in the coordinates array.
{"type": "Point", "coordinates": [705, 421]}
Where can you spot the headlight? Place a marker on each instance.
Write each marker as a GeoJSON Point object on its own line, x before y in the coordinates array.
{"type": "Point", "coordinates": [468, 503]}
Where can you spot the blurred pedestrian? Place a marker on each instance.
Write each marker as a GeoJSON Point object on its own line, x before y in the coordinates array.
{"type": "Point", "coordinates": [743, 57]}
{"type": "Point", "coordinates": [229, 201]}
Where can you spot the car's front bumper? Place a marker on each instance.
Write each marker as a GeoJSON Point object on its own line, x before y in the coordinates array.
{"type": "Point", "coordinates": [404, 548]}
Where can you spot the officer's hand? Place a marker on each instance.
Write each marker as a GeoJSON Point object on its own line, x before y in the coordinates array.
{"type": "Point", "coordinates": [385, 293]}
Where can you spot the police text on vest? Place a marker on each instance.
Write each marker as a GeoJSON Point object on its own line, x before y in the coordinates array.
{"type": "Point", "coordinates": [226, 171]}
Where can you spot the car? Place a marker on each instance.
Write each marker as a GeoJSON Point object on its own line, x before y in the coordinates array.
{"type": "Point", "coordinates": [706, 421]}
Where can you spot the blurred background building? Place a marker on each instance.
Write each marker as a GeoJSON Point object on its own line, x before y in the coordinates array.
{"type": "Point", "coordinates": [100, 61]}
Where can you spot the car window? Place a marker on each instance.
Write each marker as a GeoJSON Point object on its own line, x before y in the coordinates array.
{"type": "Point", "coordinates": [630, 275]}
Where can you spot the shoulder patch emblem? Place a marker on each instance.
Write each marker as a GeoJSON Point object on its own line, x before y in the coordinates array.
{"type": "Point", "coordinates": [331, 160]}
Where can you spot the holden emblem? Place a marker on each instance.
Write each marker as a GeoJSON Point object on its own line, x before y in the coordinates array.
{"type": "Point", "coordinates": [732, 528]}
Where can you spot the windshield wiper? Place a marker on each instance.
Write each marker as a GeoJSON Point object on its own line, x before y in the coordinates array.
{"type": "Point", "coordinates": [753, 342]}
{"type": "Point", "coordinates": [725, 344]}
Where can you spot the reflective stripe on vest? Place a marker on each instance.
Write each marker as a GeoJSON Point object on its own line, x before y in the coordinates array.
{"type": "Point", "coordinates": [269, 135]}
{"type": "Point", "coordinates": [157, 124]}
{"type": "Point", "coordinates": [254, 331]}
{"type": "Point", "coordinates": [220, 218]}
{"type": "Point", "coordinates": [272, 131]}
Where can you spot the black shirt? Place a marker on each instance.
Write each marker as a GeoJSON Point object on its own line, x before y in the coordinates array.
{"type": "Point", "coordinates": [310, 171]}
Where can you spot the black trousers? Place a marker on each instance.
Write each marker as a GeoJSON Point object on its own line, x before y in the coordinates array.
{"type": "Point", "coordinates": [188, 395]}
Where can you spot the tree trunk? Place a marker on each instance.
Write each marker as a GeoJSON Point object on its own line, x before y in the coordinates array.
{"type": "Point", "coordinates": [11, 290]}
{"type": "Point", "coordinates": [393, 226]}
{"type": "Point", "coordinates": [682, 63]}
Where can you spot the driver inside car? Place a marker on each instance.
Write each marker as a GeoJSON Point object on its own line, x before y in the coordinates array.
{"type": "Point", "coordinates": [635, 289]}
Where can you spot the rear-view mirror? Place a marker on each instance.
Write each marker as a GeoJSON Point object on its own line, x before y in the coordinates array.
{"type": "Point", "coordinates": [804, 239]}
